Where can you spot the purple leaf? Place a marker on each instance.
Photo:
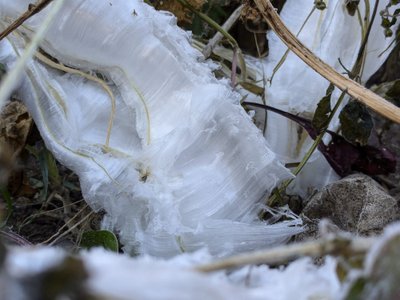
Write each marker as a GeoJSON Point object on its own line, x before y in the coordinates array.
{"type": "Point", "coordinates": [343, 156]}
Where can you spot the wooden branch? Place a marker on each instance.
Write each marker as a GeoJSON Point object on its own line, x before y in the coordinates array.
{"type": "Point", "coordinates": [355, 90]}
{"type": "Point", "coordinates": [32, 10]}
{"type": "Point", "coordinates": [281, 255]}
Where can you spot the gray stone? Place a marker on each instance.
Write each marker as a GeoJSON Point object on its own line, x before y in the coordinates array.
{"type": "Point", "coordinates": [356, 204]}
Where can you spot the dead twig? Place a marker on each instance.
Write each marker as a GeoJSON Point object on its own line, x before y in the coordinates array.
{"type": "Point", "coordinates": [59, 234]}
{"type": "Point", "coordinates": [336, 245]}
{"type": "Point", "coordinates": [219, 36]}
{"type": "Point", "coordinates": [33, 9]}
{"type": "Point", "coordinates": [355, 90]}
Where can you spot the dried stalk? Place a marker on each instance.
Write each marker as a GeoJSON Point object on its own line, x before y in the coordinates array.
{"type": "Point", "coordinates": [33, 9]}
{"type": "Point", "coordinates": [218, 36]}
{"type": "Point", "coordinates": [338, 245]}
{"type": "Point", "coordinates": [357, 91]}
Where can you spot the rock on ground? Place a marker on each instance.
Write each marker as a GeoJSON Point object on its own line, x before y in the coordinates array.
{"type": "Point", "coordinates": [356, 203]}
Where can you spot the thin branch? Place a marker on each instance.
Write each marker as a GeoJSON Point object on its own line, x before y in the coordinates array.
{"type": "Point", "coordinates": [33, 9]}
{"type": "Point", "coordinates": [218, 36]}
{"type": "Point", "coordinates": [12, 78]}
{"type": "Point", "coordinates": [71, 228]}
{"type": "Point", "coordinates": [354, 89]}
{"type": "Point", "coordinates": [283, 58]}
{"type": "Point", "coordinates": [361, 53]}
{"type": "Point", "coordinates": [338, 245]}
{"type": "Point", "coordinates": [226, 34]}
{"type": "Point", "coordinates": [58, 234]}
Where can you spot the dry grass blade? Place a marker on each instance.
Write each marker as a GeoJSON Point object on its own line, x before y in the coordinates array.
{"type": "Point", "coordinates": [357, 91]}
{"type": "Point", "coordinates": [32, 10]}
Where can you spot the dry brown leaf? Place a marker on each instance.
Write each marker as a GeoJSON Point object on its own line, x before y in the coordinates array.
{"type": "Point", "coordinates": [15, 124]}
{"type": "Point", "coordinates": [182, 13]}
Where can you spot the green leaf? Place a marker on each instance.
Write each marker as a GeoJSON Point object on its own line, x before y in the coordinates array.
{"type": "Point", "coordinates": [45, 173]}
{"type": "Point", "coordinates": [321, 115]}
{"type": "Point", "coordinates": [48, 167]}
{"type": "Point", "coordinates": [388, 32]}
{"type": "Point", "coordinates": [356, 289]}
{"type": "Point", "coordinates": [212, 9]}
{"type": "Point", "coordinates": [356, 123]}
{"type": "Point", "coordinates": [100, 238]}
{"type": "Point", "coordinates": [394, 91]}
{"type": "Point", "coordinates": [385, 23]}
{"type": "Point", "coordinates": [32, 150]}
{"type": "Point", "coordinates": [53, 173]}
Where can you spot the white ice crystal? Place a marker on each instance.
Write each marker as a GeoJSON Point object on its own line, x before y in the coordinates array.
{"type": "Point", "coordinates": [118, 276]}
{"type": "Point", "coordinates": [183, 166]}
{"type": "Point", "coordinates": [114, 276]}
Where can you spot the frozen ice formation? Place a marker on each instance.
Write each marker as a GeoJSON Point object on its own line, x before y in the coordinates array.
{"type": "Point", "coordinates": [112, 276]}
{"type": "Point", "coordinates": [160, 145]}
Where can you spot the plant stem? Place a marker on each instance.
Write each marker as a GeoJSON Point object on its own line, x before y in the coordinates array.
{"type": "Point", "coordinates": [361, 52]}
{"type": "Point", "coordinates": [219, 35]}
{"type": "Point", "coordinates": [217, 27]}
{"type": "Point", "coordinates": [284, 56]}
{"type": "Point", "coordinates": [273, 199]}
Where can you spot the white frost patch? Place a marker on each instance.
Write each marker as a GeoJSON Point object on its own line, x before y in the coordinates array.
{"type": "Point", "coordinates": [117, 276]}
{"type": "Point", "coordinates": [301, 279]}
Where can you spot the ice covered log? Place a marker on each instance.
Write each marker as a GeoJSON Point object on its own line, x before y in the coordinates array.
{"type": "Point", "coordinates": [158, 143]}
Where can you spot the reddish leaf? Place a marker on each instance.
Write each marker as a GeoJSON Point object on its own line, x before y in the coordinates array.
{"type": "Point", "coordinates": [343, 156]}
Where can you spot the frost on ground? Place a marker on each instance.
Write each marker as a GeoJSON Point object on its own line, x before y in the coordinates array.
{"type": "Point", "coordinates": [25, 271]}
{"type": "Point", "coordinates": [120, 277]}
